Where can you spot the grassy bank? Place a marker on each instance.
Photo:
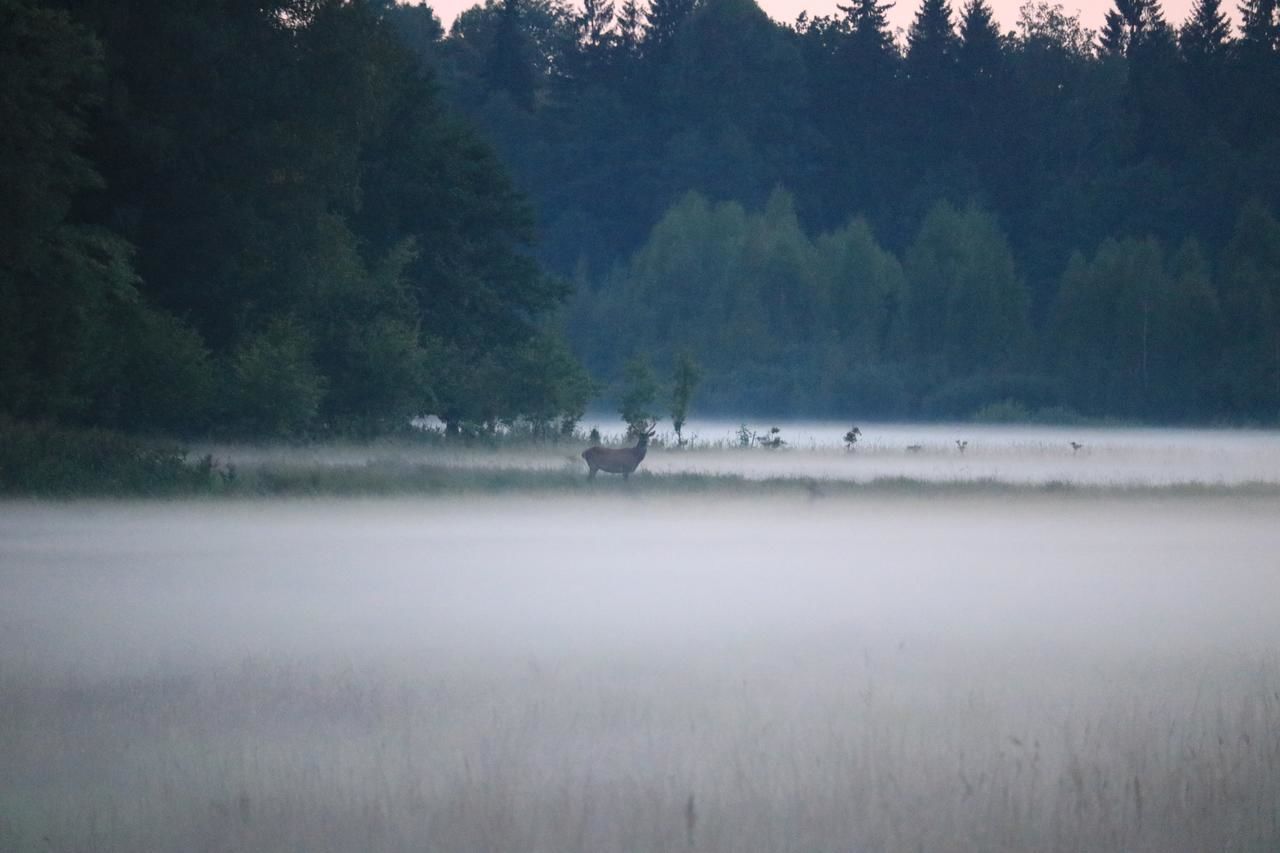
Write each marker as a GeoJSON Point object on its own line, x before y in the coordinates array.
{"type": "Point", "coordinates": [375, 479]}
{"type": "Point", "coordinates": [48, 462]}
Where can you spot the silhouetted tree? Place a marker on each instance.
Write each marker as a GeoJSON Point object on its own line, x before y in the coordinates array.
{"type": "Point", "coordinates": [1205, 38]}
{"type": "Point", "coordinates": [636, 398]}
{"type": "Point", "coordinates": [508, 67]}
{"type": "Point", "coordinates": [932, 47]}
{"type": "Point", "coordinates": [1260, 26]}
{"type": "Point", "coordinates": [662, 20]}
{"type": "Point", "coordinates": [684, 381]}
{"type": "Point", "coordinates": [979, 55]}
{"type": "Point", "coordinates": [1205, 44]}
{"type": "Point", "coordinates": [1129, 24]}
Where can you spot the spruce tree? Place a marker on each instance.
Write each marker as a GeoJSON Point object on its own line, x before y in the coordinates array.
{"type": "Point", "coordinates": [629, 28]}
{"type": "Point", "coordinates": [868, 26]}
{"type": "Point", "coordinates": [932, 97]}
{"type": "Point", "coordinates": [1260, 25]}
{"type": "Point", "coordinates": [1254, 75]}
{"type": "Point", "coordinates": [507, 67]}
{"type": "Point", "coordinates": [979, 53]}
{"type": "Point", "coordinates": [1205, 44]}
{"type": "Point", "coordinates": [596, 39]}
{"type": "Point", "coordinates": [984, 93]}
{"type": "Point", "coordinates": [1113, 40]}
{"type": "Point", "coordinates": [662, 20]}
{"type": "Point", "coordinates": [864, 118]}
{"type": "Point", "coordinates": [1206, 36]}
{"type": "Point", "coordinates": [931, 42]}
{"type": "Point", "coordinates": [1131, 25]}
{"type": "Point", "coordinates": [1154, 24]}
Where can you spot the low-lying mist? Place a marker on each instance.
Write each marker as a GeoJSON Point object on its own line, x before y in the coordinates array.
{"type": "Point", "coordinates": [641, 673]}
{"type": "Point", "coordinates": [928, 453]}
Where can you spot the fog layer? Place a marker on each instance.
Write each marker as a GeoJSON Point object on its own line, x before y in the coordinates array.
{"type": "Point", "coordinates": [815, 449]}
{"type": "Point", "coordinates": [629, 674]}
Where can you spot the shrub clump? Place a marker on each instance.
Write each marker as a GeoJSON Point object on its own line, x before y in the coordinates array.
{"type": "Point", "coordinates": [41, 459]}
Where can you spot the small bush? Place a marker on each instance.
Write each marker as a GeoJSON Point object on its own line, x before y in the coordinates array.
{"type": "Point", "coordinates": [46, 460]}
{"type": "Point", "coordinates": [965, 397]}
{"type": "Point", "coordinates": [1004, 412]}
{"type": "Point", "coordinates": [1013, 412]}
{"type": "Point", "coordinates": [1059, 415]}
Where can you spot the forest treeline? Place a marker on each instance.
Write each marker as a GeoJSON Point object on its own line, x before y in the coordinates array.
{"type": "Point", "coordinates": [914, 224]}
{"type": "Point", "coordinates": [257, 219]}
{"type": "Point", "coordinates": [838, 324]}
{"type": "Point", "coordinates": [304, 216]}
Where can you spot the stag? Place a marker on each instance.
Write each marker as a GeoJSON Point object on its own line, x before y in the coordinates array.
{"type": "Point", "coordinates": [618, 460]}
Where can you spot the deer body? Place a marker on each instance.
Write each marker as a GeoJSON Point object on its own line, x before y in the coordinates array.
{"type": "Point", "coordinates": [616, 460]}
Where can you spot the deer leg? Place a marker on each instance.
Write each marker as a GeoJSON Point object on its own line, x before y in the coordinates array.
{"type": "Point", "coordinates": [591, 474]}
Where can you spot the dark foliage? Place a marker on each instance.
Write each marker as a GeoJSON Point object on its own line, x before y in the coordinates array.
{"type": "Point", "coordinates": [982, 163]}
{"type": "Point", "coordinates": [260, 219]}
{"type": "Point", "coordinates": [52, 461]}
{"type": "Point", "coordinates": [309, 216]}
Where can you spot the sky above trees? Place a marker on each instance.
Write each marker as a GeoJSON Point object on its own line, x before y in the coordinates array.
{"type": "Point", "coordinates": [900, 16]}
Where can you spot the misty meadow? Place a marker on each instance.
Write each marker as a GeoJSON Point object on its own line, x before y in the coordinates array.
{"type": "Point", "coordinates": [639, 426]}
{"type": "Point", "coordinates": [720, 653]}
{"type": "Point", "coordinates": [638, 674]}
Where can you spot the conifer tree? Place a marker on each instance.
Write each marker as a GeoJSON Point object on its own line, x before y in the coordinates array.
{"type": "Point", "coordinates": [866, 101]}
{"type": "Point", "coordinates": [1154, 23]}
{"type": "Point", "coordinates": [979, 53]}
{"type": "Point", "coordinates": [932, 98]}
{"type": "Point", "coordinates": [1205, 46]}
{"type": "Point", "coordinates": [629, 28]}
{"type": "Point", "coordinates": [1113, 40]}
{"type": "Point", "coordinates": [1131, 25]}
{"type": "Point", "coordinates": [596, 39]}
{"type": "Point", "coordinates": [985, 124]}
{"type": "Point", "coordinates": [507, 67]}
{"type": "Point", "coordinates": [595, 21]}
{"type": "Point", "coordinates": [662, 20]}
{"type": "Point", "coordinates": [1260, 25]}
{"type": "Point", "coordinates": [931, 42]}
{"type": "Point", "coordinates": [1206, 36]}
{"type": "Point", "coordinates": [868, 26]}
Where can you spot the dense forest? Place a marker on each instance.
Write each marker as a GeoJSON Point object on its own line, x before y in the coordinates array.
{"type": "Point", "coordinates": [257, 218]}
{"type": "Point", "coordinates": [306, 216]}
{"type": "Point", "coordinates": [838, 220]}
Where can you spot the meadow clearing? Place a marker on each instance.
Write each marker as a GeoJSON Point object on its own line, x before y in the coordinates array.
{"type": "Point", "coordinates": [741, 668]}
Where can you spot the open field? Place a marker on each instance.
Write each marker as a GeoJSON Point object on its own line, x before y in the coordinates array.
{"type": "Point", "coordinates": [643, 671]}
{"type": "Point", "coordinates": [925, 459]}
{"type": "Point", "coordinates": [893, 454]}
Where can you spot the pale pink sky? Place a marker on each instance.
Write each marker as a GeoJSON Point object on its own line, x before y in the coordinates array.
{"type": "Point", "coordinates": [1091, 11]}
